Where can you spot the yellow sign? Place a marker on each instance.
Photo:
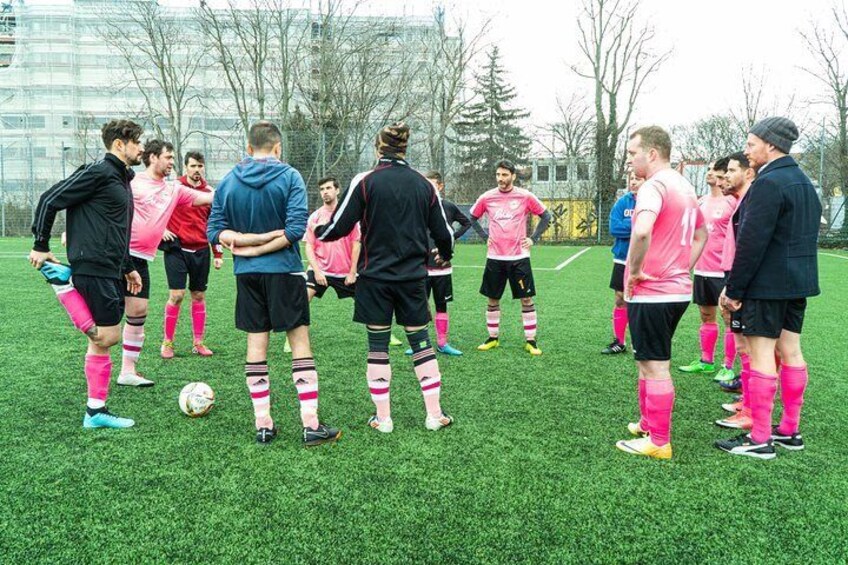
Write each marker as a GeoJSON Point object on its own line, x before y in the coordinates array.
{"type": "Point", "coordinates": [571, 219]}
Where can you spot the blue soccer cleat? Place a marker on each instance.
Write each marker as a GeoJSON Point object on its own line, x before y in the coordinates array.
{"type": "Point", "coordinates": [448, 350]}
{"type": "Point", "coordinates": [408, 351]}
{"type": "Point", "coordinates": [105, 419]}
{"type": "Point", "coordinates": [56, 273]}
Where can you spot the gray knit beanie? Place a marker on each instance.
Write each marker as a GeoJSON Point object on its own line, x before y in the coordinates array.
{"type": "Point", "coordinates": [780, 132]}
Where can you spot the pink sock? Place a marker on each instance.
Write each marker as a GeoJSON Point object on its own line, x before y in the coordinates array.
{"type": "Point", "coordinates": [528, 316]}
{"type": "Point", "coordinates": [133, 341]}
{"type": "Point", "coordinates": [619, 323]}
{"type": "Point", "coordinates": [259, 385]}
{"type": "Point", "coordinates": [426, 371]}
{"type": "Point", "coordinates": [198, 320]}
{"type": "Point", "coordinates": [709, 337]}
{"type": "Point", "coordinates": [793, 383]}
{"type": "Point", "coordinates": [74, 304]}
{"type": "Point", "coordinates": [643, 410]}
{"type": "Point", "coordinates": [98, 370]}
{"type": "Point", "coordinates": [729, 348]}
{"type": "Point", "coordinates": [172, 315]}
{"type": "Point", "coordinates": [493, 321]}
{"type": "Point", "coordinates": [659, 402]}
{"type": "Point", "coordinates": [761, 388]}
{"type": "Point", "coordinates": [745, 378]}
{"type": "Point", "coordinates": [305, 378]}
{"type": "Point", "coordinates": [442, 326]}
{"type": "Point", "coordinates": [379, 375]}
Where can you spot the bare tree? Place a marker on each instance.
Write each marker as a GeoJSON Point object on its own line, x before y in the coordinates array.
{"type": "Point", "coordinates": [826, 48]}
{"type": "Point", "coordinates": [445, 75]}
{"type": "Point", "coordinates": [162, 62]}
{"type": "Point", "coordinates": [709, 138]}
{"type": "Point", "coordinates": [619, 60]}
{"type": "Point", "coordinates": [575, 128]}
{"type": "Point", "coordinates": [755, 105]}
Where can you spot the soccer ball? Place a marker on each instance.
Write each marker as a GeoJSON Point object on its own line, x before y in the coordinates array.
{"type": "Point", "coordinates": [196, 399]}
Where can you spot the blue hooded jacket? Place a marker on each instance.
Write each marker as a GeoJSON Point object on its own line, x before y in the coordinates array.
{"type": "Point", "coordinates": [259, 196]}
{"type": "Point", "coordinates": [620, 224]}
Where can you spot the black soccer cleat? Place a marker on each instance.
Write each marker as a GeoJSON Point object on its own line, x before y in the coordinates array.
{"type": "Point", "coordinates": [266, 435]}
{"type": "Point", "coordinates": [614, 348]}
{"type": "Point", "coordinates": [744, 445]}
{"type": "Point", "coordinates": [322, 434]}
{"type": "Point", "coordinates": [792, 442]}
{"type": "Point", "coordinates": [731, 386]}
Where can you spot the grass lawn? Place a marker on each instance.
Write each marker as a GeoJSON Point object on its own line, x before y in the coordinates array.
{"type": "Point", "coordinates": [529, 473]}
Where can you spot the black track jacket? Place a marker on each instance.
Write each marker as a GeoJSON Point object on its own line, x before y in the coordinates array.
{"type": "Point", "coordinates": [99, 202]}
{"type": "Point", "coordinates": [397, 208]}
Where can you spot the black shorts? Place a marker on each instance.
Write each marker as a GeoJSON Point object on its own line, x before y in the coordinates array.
{"type": "Point", "coordinates": [652, 326]}
{"type": "Point", "coordinates": [767, 318]}
{"type": "Point", "coordinates": [271, 301]}
{"type": "Point", "coordinates": [336, 283]}
{"type": "Point", "coordinates": [706, 290]}
{"type": "Point", "coordinates": [377, 301]}
{"type": "Point", "coordinates": [180, 264]}
{"type": "Point", "coordinates": [617, 277]}
{"type": "Point", "coordinates": [736, 322]}
{"type": "Point", "coordinates": [104, 298]}
{"type": "Point", "coordinates": [143, 268]}
{"type": "Point", "coordinates": [518, 273]}
{"type": "Point", "coordinates": [441, 287]}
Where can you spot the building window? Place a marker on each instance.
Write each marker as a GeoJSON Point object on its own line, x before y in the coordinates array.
{"type": "Point", "coordinates": [582, 171]}
{"type": "Point", "coordinates": [543, 173]}
{"type": "Point", "coordinates": [561, 173]}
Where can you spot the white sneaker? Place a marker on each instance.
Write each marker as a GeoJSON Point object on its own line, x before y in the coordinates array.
{"type": "Point", "coordinates": [131, 379]}
{"type": "Point", "coordinates": [386, 426]}
{"type": "Point", "coordinates": [438, 423]}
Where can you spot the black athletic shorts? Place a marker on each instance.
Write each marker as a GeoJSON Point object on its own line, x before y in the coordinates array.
{"type": "Point", "coordinates": [652, 326]}
{"type": "Point", "coordinates": [377, 301]}
{"type": "Point", "coordinates": [336, 283]}
{"type": "Point", "coordinates": [736, 322]}
{"type": "Point", "coordinates": [441, 287]}
{"type": "Point", "coordinates": [767, 318]}
{"type": "Point", "coordinates": [104, 298]}
{"type": "Point", "coordinates": [617, 278]}
{"type": "Point", "coordinates": [271, 301]}
{"type": "Point", "coordinates": [180, 264]}
{"type": "Point", "coordinates": [143, 268]}
{"type": "Point", "coordinates": [706, 290]}
{"type": "Point", "coordinates": [518, 273]}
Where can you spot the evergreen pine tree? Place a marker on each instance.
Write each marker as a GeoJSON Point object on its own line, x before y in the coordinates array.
{"type": "Point", "coordinates": [488, 131]}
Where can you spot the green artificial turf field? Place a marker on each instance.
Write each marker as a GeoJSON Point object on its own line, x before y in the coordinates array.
{"type": "Point", "coordinates": [529, 473]}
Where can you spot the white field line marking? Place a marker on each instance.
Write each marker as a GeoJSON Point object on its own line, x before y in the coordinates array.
{"type": "Point", "coordinates": [565, 263]}
{"type": "Point", "coordinates": [834, 255]}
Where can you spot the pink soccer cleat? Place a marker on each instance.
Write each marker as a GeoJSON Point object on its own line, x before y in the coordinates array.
{"type": "Point", "coordinates": [201, 349]}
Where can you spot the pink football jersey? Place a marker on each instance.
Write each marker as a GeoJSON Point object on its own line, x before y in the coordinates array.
{"type": "Point", "coordinates": [717, 212]}
{"type": "Point", "coordinates": [333, 257]}
{"type": "Point", "coordinates": [507, 212]}
{"type": "Point", "coordinates": [672, 199]}
{"type": "Point", "coordinates": [154, 202]}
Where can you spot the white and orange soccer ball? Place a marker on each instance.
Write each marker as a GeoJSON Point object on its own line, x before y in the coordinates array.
{"type": "Point", "coordinates": [196, 399]}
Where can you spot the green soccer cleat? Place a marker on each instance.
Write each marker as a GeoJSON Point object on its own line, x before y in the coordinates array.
{"type": "Point", "coordinates": [724, 375]}
{"type": "Point", "coordinates": [490, 343]}
{"type": "Point", "coordinates": [394, 341]}
{"type": "Point", "coordinates": [698, 367]}
{"type": "Point", "coordinates": [287, 346]}
{"type": "Point", "coordinates": [104, 419]}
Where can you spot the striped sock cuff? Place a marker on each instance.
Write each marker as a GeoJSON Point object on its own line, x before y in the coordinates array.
{"type": "Point", "coordinates": [303, 364]}
{"type": "Point", "coordinates": [256, 369]}
{"type": "Point", "coordinates": [378, 340]}
{"type": "Point", "coordinates": [136, 320]}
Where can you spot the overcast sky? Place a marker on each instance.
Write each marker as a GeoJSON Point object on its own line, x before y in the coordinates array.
{"type": "Point", "coordinates": [712, 43]}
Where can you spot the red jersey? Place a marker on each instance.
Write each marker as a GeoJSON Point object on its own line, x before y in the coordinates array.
{"type": "Point", "coordinates": [188, 223]}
